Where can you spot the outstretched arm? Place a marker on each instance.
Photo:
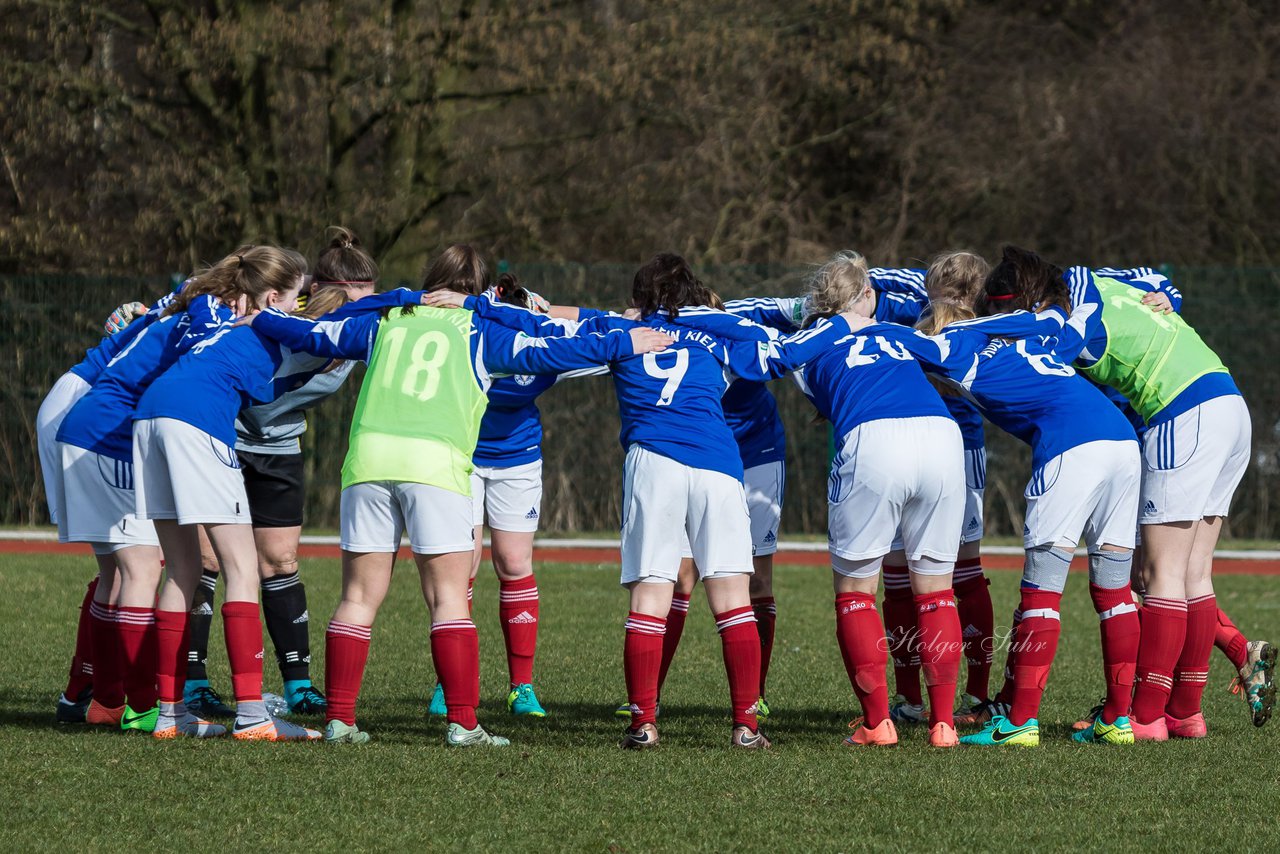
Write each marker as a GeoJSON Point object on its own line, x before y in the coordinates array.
{"type": "Point", "coordinates": [506, 351]}
{"type": "Point", "coordinates": [350, 338]}
{"type": "Point", "coordinates": [763, 361]}
{"type": "Point", "coordinates": [785, 314]}
{"type": "Point", "coordinates": [1161, 295]}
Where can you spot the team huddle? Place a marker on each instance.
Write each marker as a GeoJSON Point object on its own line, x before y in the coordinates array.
{"type": "Point", "coordinates": [173, 450]}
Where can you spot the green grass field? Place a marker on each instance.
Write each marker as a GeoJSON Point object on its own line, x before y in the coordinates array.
{"type": "Point", "coordinates": [563, 784]}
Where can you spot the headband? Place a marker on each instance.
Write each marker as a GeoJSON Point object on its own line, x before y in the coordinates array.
{"type": "Point", "coordinates": [999, 297]}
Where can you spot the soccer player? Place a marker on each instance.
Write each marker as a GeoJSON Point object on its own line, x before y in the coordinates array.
{"type": "Point", "coordinates": [1194, 454]}
{"type": "Point", "coordinates": [188, 475]}
{"type": "Point", "coordinates": [1085, 475]}
{"type": "Point", "coordinates": [885, 415]}
{"type": "Point", "coordinates": [269, 451]}
{"type": "Point", "coordinates": [677, 477]}
{"type": "Point", "coordinates": [409, 467]}
{"type": "Point", "coordinates": [97, 621]}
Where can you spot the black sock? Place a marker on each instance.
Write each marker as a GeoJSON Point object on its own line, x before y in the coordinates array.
{"type": "Point", "coordinates": [284, 605]}
{"type": "Point", "coordinates": [199, 624]}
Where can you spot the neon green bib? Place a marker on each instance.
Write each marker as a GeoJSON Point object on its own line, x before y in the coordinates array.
{"type": "Point", "coordinates": [1150, 357]}
{"type": "Point", "coordinates": [419, 411]}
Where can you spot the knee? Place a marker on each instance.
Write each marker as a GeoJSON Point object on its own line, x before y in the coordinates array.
{"type": "Point", "coordinates": [278, 562]}
{"type": "Point", "coordinates": [512, 566]}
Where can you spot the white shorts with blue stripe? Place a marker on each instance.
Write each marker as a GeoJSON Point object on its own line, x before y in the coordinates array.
{"type": "Point", "coordinates": [1192, 464]}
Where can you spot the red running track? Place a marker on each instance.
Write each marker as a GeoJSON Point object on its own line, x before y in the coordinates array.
{"type": "Point", "coordinates": [610, 556]}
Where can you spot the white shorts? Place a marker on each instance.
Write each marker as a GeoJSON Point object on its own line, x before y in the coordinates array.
{"type": "Point", "coordinates": [1192, 464]}
{"type": "Point", "coordinates": [1089, 490]}
{"type": "Point", "coordinates": [56, 404]}
{"type": "Point", "coordinates": [882, 482]}
{"type": "Point", "coordinates": [764, 486]}
{"type": "Point", "coordinates": [511, 497]}
{"type": "Point", "coordinates": [975, 485]}
{"type": "Point", "coordinates": [660, 497]}
{"type": "Point", "coordinates": [375, 514]}
{"type": "Point", "coordinates": [187, 475]}
{"type": "Point", "coordinates": [98, 499]}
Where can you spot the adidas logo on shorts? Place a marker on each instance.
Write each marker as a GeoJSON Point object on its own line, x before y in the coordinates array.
{"type": "Point", "coordinates": [523, 617]}
{"type": "Point", "coordinates": [770, 538]}
{"type": "Point", "coordinates": [1149, 507]}
{"type": "Point", "coordinates": [532, 514]}
{"type": "Point", "coordinates": [973, 523]}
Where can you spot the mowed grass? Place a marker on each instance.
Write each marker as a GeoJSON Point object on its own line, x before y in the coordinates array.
{"type": "Point", "coordinates": [564, 785]}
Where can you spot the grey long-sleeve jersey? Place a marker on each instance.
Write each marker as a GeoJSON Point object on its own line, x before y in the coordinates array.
{"type": "Point", "coordinates": [274, 428]}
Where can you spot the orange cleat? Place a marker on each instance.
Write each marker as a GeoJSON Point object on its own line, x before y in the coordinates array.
{"type": "Point", "coordinates": [884, 734]}
{"type": "Point", "coordinates": [1192, 727]}
{"type": "Point", "coordinates": [100, 715]}
{"type": "Point", "coordinates": [943, 734]}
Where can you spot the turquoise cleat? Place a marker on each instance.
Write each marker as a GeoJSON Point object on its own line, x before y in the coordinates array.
{"type": "Point", "coordinates": [999, 732]}
{"type": "Point", "coordinates": [1117, 732]}
{"type": "Point", "coordinates": [437, 708]}
{"type": "Point", "coordinates": [522, 701]}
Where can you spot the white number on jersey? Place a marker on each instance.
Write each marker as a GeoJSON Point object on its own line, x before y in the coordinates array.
{"type": "Point", "coordinates": [414, 384]}
{"type": "Point", "coordinates": [673, 375]}
{"type": "Point", "coordinates": [1043, 363]}
{"type": "Point", "coordinates": [868, 350]}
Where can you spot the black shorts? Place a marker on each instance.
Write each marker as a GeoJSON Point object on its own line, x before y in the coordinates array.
{"type": "Point", "coordinates": [274, 484]}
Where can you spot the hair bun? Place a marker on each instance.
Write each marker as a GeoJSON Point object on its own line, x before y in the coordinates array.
{"type": "Point", "coordinates": [342, 238]}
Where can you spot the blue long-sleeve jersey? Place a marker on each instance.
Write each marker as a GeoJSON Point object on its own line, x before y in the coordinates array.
{"type": "Point", "coordinates": [1020, 385]}
{"type": "Point", "coordinates": [97, 358]}
{"type": "Point", "coordinates": [102, 420]}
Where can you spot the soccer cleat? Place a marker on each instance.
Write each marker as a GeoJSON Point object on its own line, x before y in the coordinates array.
{"type": "Point", "coordinates": [903, 712]}
{"type": "Point", "coordinates": [276, 705]}
{"type": "Point", "coordinates": [1192, 727]}
{"type": "Point", "coordinates": [623, 711]}
{"type": "Point", "coordinates": [642, 737]}
{"type": "Point", "coordinates": [1092, 715]}
{"type": "Point", "coordinates": [1098, 732]}
{"type": "Point", "coordinates": [984, 712]}
{"type": "Point", "coordinates": [339, 733]}
{"type": "Point", "coordinates": [459, 736]}
{"type": "Point", "coordinates": [139, 721]}
{"type": "Point", "coordinates": [749, 739]}
{"type": "Point", "coordinates": [100, 715]}
{"type": "Point", "coordinates": [1000, 731]}
{"type": "Point", "coordinates": [943, 734]}
{"type": "Point", "coordinates": [437, 708]}
{"type": "Point", "coordinates": [202, 701]}
{"type": "Point", "coordinates": [1157, 730]}
{"type": "Point", "coordinates": [308, 701]}
{"type": "Point", "coordinates": [168, 726]}
{"type": "Point", "coordinates": [969, 704]}
{"type": "Point", "coordinates": [762, 709]}
{"type": "Point", "coordinates": [522, 701]}
{"type": "Point", "coordinates": [273, 729]}
{"type": "Point", "coordinates": [883, 734]}
{"type": "Point", "coordinates": [1256, 681]}
{"type": "Point", "coordinates": [74, 711]}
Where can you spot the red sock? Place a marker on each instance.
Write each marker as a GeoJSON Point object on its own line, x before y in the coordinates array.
{"type": "Point", "coordinates": [1229, 639]}
{"type": "Point", "coordinates": [455, 649]}
{"type": "Point", "coordinates": [766, 611]}
{"type": "Point", "coordinates": [741, 644]}
{"type": "Point", "coordinates": [671, 639]}
{"type": "Point", "coordinates": [1005, 694]}
{"type": "Point", "coordinates": [904, 637]}
{"type": "Point", "coordinates": [977, 624]}
{"type": "Point", "coordinates": [1164, 628]}
{"type": "Point", "coordinates": [346, 649]}
{"type": "Point", "coordinates": [81, 675]}
{"type": "Point", "coordinates": [1121, 630]}
{"type": "Point", "coordinates": [861, 637]}
{"type": "Point", "coordinates": [1192, 670]}
{"type": "Point", "coordinates": [939, 622]}
{"type": "Point", "coordinates": [242, 627]}
{"type": "Point", "coordinates": [518, 610]}
{"type": "Point", "coordinates": [1035, 644]}
{"type": "Point", "coordinates": [171, 654]}
{"type": "Point", "coordinates": [137, 627]}
{"type": "Point", "coordinates": [641, 659]}
{"type": "Point", "coordinates": [108, 661]}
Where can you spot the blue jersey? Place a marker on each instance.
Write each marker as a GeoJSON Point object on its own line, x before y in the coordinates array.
{"type": "Point", "coordinates": [901, 298]}
{"type": "Point", "coordinates": [750, 409]}
{"type": "Point", "coordinates": [96, 359]}
{"type": "Point", "coordinates": [869, 376]}
{"type": "Point", "coordinates": [670, 402]}
{"type": "Point", "coordinates": [102, 420]}
{"type": "Point", "coordinates": [511, 429]}
{"type": "Point", "coordinates": [1020, 385]}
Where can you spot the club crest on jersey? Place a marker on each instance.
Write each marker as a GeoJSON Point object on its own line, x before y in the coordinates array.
{"type": "Point", "coordinates": [524, 379]}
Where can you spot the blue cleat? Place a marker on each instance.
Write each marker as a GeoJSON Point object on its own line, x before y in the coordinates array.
{"type": "Point", "coordinates": [437, 708]}
{"type": "Point", "coordinates": [522, 701]}
{"type": "Point", "coordinates": [1000, 732]}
